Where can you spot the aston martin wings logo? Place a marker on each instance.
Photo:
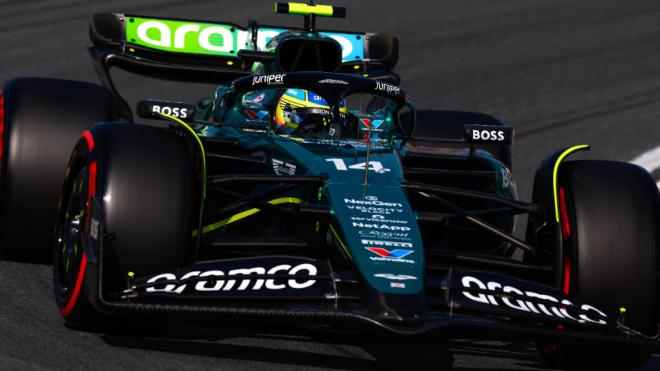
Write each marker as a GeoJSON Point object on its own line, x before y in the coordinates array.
{"type": "Point", "coordinates": [283, 168]}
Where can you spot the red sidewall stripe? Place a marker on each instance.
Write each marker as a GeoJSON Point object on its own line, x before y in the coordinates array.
{"type": "Point", "coordinates": [567, 275]}
{"type": "Point", "coordinates": [92, 186]}
{"type": "Point", "coordinates": [566, 234]}
{"type": "Point", "coordinates": [76, 290]}
{"type": "Point", "coordinates": [565, 225]}
{"type": "Point", "coordinates": [90, 140]}
{"type": "Point", "coordinates": [73, 299]}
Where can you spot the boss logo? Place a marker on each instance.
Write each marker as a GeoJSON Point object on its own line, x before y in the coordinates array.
{"type": "Point", "coordinates": [179, 112]}
{"type": "Point", "coordinates": [494, 135]}
{"type": "Point", "coordinates": [488, 134]}
{"type": "Point", "coordinates": [159, 110]}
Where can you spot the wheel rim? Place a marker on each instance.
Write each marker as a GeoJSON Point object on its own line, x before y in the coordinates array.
{"type": "Point", "coordinates": [69, 248]}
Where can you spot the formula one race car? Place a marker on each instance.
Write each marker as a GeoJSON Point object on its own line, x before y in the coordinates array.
{"type": "Point", "coordinates": [307, 188]}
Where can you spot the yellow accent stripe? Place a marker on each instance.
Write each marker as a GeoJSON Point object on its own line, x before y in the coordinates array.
{"type": "Point", "coordinates": [334, 233]}
{"type": "Point", "coordinates": [304, 9]}
{"type": "Point", "coordinates": [287, 136]}
{"type": "Point", "coordinates": [285, 200]}
{"type": "Point", "coordinates": [556, 169]}
{"type": "Point", "coordinates": [201, 147]}
{"type": "Point", "coordinates": [245, 214]}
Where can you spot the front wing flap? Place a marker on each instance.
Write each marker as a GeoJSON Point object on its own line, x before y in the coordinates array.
{"type": "Point", "coordinates": [308, 291]}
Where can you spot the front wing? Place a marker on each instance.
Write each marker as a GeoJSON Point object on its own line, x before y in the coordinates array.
{"type": "Point", "coordinates": [302, 291]}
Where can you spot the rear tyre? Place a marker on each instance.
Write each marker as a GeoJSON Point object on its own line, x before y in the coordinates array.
{"type": "Point", "coordinates": [450, 125]}
{"type": "Point", "coordinates": [140, 181]}
{"type": "Point", "coordinates": [43, 119]}
{"type": "Point", "coordinates": [611, 243]}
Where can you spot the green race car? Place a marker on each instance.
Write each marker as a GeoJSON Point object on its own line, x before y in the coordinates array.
{"type": "Point", "coordinates": [307, 188]}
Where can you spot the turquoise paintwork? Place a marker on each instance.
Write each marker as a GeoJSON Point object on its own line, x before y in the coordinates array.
{"type": "Point", "coordinates": [372, 219]}
{"type": "Point", "coordinates": [355, 205]}
{"type": "Point", "coordinates": [375, 215]}
{"type": "Point", "coordinates": [358, 210]}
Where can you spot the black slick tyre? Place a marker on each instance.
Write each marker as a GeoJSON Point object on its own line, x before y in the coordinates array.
{"type": "Point", "coordinates": [42, 120]}
{"type": "Point", "coordinates": [137, 183]}
{"type": "Point", "coordinates": [610, 215]}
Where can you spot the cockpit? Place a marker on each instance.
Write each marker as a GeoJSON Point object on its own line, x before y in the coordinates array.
{"type": "Point", "coordinates": [332, 109]}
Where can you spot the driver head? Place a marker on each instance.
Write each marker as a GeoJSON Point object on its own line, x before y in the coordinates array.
{"type": "Point", "coordinates": [299, 109]}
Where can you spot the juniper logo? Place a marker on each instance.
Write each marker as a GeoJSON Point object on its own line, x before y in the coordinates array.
{"type": "Point", "coordinates": [186, 37]}
{"type": "Point", "coordinates": [388, 88]}
{"type": "Point", "coordinates": [269, 79]}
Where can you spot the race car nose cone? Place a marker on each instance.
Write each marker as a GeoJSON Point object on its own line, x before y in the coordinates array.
{"type": "Point", "coordinates": [400, 309]}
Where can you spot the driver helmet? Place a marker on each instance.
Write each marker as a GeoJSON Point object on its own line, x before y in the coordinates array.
{"type": "Point", "coordinates": [298, 108]}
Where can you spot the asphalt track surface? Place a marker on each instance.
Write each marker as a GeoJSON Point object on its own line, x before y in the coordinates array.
{"type": "Point", "coordinates": [561, 72]}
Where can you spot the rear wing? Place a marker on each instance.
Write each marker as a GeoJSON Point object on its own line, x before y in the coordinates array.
{"type": "Point", "coordinates": [175, 49]}
{"type": "Point", "coordinates": [214, 52]}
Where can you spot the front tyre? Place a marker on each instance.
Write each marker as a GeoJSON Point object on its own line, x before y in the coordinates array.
{"type": "Point", "coordinates": [610, 212]}
{"type": "Point", "coordinates": [69, 256]}
{"type": "Point", "coordinates": [139, 184]}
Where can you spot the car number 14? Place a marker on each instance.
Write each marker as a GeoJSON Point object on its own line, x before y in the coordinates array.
{"type": "Point", "coordinates": [376, 166]}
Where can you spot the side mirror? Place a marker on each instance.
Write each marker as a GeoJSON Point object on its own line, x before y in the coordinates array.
{"type": "Point", "coordinates": [155, 109]}
{"type": "Point", "coordinates": [407, 119]}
